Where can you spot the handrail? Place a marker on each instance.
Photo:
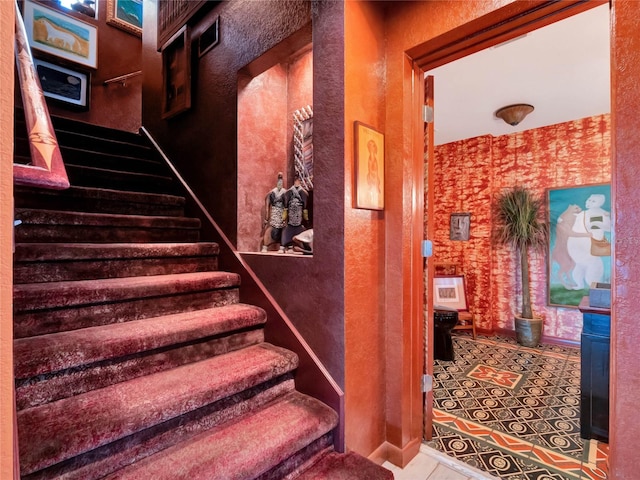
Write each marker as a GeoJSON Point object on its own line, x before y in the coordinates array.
{"type": "Point", "coordinates": [312, 377]}
{"type": "Point", "coordinates": [47, 168]}
{"type": "Point", "coordinates": [122, 78]}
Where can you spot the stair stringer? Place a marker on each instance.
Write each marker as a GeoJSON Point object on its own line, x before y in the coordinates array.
{"type": "Point", "coordinates": [312, 378]}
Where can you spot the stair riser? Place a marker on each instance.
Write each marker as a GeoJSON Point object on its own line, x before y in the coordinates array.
{"type": "Point", "coordinates": [112, 162]}
{"type": "Point", "coordinates": [99, 201]}
{"type": "Point", "coordinates": [87, 270]}
{"type": "Point", "coordinates": [51, 387]}
{"type": "Point", "coordinates": [27, 324]}
{"type": "Point", "coordinates": [293, 465]}
{"type": "Point", "coordinates": [104, 460]}
{"type": "Point", "coordinates": [30, 233]}
{"type": "Point", "coordinates": [135, 159]}
{"type": "Point", "coordinates": [87, 177]}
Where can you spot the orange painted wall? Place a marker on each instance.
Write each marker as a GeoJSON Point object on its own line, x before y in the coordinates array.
{"type": "Point", "coordinates": [469, 175]}
{"type": "Point", "coordinates": [364, 237]}
{"type": "Point", "coordinates": [625, 360]}
{"type": "Point", "coordinates": [6, 241]}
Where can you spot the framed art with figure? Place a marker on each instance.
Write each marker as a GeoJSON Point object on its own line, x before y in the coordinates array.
{"type": "Point", "coordinates": [580, 233]}
{"type": "Point", "coordinates": [369, 167]}
{"type": "Point", "coordinates": [51, 31]}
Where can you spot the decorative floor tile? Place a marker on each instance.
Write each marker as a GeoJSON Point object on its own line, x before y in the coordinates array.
{"type": "Point", "coordinates": [501, 378]}
{"type": "Point", "coordinates": [514, 411]}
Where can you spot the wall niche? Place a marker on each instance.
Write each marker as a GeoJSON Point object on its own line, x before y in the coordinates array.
{"type": "Point", "coordinates": [275, 105]}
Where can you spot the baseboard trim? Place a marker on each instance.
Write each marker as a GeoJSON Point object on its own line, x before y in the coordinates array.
{"type": "Point", "coordinates": [400, 457]}
{"type": "Point", "coordinates": [562, 342]}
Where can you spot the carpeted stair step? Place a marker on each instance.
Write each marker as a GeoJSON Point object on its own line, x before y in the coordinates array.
{"type": "Point", "coordinates": [73, 426]}
{"type": "Point", "coordinates": [81, 175]}
{"type": "Point", "coordinates": [251, 447]}
{"type": "Point", "coordinates": [336, 466]}
{"type": "Point", "coordinates": [41, 308]}
{"type": "Point", "coordinates": [76, 227]}
{"type": "Point", "coordinates": [92, 157]}
{"type": "Point", "coordinates": [55, 262]}
{"type": "Point", "coordinates": [55, 366]}
{"type": "Point", "coordinates": [99, 200]}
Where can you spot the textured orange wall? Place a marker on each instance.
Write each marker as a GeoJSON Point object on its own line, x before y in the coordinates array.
{"type": "Point", "coordinates": [470, 173]}
{"type": "Point", "coordinates": [6, 257]}
{"type": "Point", "coordinates": [364, 237]}
{"type": "Point", "coordinates": [625, 361]}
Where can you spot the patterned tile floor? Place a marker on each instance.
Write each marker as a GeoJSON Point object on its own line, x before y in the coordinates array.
{"type": "Point", "coordinates": [514, 411]}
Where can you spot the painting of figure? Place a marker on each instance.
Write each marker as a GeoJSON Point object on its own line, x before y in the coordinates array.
{"type": "Point", "coordinates": [53, 32]}
{"type": "Point", "coordinates": [579, 242]}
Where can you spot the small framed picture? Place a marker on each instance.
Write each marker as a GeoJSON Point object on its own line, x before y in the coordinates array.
{"type": "Point", "coordinates": [64, 85]}
{"type": "Point", "coordinates": [369, 167]}
{"type": "Point", "coordinates": [55, 33]}
{"type": "Point", "coordinates": [459, 226]}
{"type": "Point", "coordinates": [125, 15]}
{"type": "Point", "coordinates": [209, 38]}
{"type": "Point", "coordinates": [449, 291]}
{"type": "Point", "coordinates": [176, 74]}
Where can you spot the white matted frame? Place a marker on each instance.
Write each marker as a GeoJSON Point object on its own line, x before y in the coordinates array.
{"type": "Point", "coordinates": [64, 85]}
{"type": "Point", "coordinates": [450, 291]}
{"type": "Point", "coordinates": [55, 33]}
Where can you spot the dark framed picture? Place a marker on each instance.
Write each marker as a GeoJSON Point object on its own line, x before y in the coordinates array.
{"type": "Point", "coordinates": [580, 235]}
{"type": "Point", "coordinates": [69, 87]}
{"type": "Point", "coordinates": [209, 37]}
{"type": "Point", "coordinates": [369, 167]}
{"type": "Point", "coordinates": [55, 33]}
{"type": "Point", "coordinates": [459, 224]}
{"type": "Point", "coordinates": [176, 74]}
{"type": "Point", "coordinates": [125, 15]}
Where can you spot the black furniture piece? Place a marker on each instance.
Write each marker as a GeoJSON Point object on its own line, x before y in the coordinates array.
{"type": "Point", "coordinates": [594, 371]}
{"type": "Point", "coordinates": [444, 319]}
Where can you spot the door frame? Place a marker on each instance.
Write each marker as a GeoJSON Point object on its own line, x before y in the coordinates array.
{"type": "Point", "coordinates": [501, 25]}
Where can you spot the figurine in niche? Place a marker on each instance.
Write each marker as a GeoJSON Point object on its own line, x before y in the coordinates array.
{"type": "Point", "coordinates": [295, 212]}
{"type": "Point", "coordinates": [275, 217]}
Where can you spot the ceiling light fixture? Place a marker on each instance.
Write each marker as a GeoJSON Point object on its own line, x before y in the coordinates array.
{"type": "Point", "coordinates": [514, 114]}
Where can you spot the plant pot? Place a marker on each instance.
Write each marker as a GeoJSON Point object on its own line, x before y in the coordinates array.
{"type": "Point", "coordinates": [528, 331]}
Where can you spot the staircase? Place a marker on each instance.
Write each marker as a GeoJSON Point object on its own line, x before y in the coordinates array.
{"type": "Point", "coordinates": [133, 357]}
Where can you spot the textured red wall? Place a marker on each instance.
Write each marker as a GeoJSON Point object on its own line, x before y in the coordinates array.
{"type": "Point", "coordinates": [364, 247]}
{"type": "Point", "coordinates": [625, 359]}
{"type": "Point", "coordinates": [469, 175]}
{"type": "Point", "coordinates": [119, 52]}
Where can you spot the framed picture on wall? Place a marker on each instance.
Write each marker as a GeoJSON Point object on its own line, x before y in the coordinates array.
{"type": "Point", "coordinates": [63, 36]}
{"type": "Point", "coordinates": [449, 291]}
{"type": "Point", "coordinates": [459, 224]}
{"type": "Point", "coordinates": [176, 74]}
{"type": "Point", "coordinates": [125, 15]}
{"type": "Point", "coordinates": [63, 85]}
{"type": "Point", "coordinates": [369, 167]}
{"type": "Point", "coordinates": [580, 233]}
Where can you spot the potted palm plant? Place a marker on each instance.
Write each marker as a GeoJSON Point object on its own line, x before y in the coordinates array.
{"type": "Point", "coordinates": [520, 225]}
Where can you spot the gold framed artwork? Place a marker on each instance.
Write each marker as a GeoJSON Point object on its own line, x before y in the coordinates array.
{"type": "Point", "coordinates": [125, 15]}
{"type": "Point", "coordinates": [369, 167]}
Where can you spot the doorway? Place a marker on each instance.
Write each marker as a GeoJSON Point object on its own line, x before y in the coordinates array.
{"type": "Point", "coordinates": [488, 299]}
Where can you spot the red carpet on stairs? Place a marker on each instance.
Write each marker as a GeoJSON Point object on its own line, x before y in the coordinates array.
{"type": "Point", "coordinates": [134, 358]}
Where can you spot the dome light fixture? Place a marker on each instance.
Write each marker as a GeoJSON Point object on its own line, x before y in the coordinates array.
{"type": "Point", "coordinates": [514, 114]}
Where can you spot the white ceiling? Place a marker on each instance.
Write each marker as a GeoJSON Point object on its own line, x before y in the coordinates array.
{"type": "Point", "coordinates": [561, 69]}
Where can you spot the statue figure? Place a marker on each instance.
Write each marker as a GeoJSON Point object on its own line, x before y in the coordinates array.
{"type": "Point", "coordinates": [295, 212]}
{"type": "Point", "coordinates": [274, 220]}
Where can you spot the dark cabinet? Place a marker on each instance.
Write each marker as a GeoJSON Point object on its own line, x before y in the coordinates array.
{"type": "Point", "coordinates": [594, 383]}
